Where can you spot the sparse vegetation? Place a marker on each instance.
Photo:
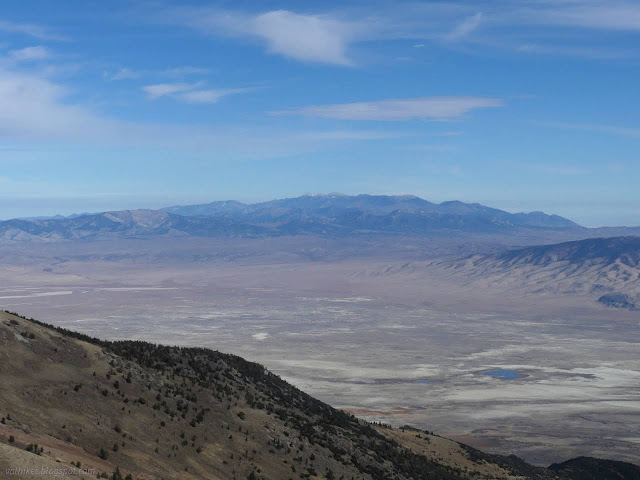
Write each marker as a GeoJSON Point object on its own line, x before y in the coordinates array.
{"type": "Point", "coordinates": [34, 448]}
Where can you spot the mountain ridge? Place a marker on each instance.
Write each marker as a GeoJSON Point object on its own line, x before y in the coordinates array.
{"type": "Point", "coordinates": [608, 269]}
{"type": "Point", "coordinates": [332, 215]}
{"type": "Point", "coordinates": [381, 204]}
{"type": "Point", "coordinates": [623, 249]}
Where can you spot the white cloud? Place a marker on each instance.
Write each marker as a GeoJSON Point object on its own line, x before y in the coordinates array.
{"type": "Point", "coordinates": [308, 38]}
{"type": "Point", "coordinates": [28, 29]}
{"type": "Point", "coordinates": [128, 73]}
{"type": "Point", "coordinates": [464, 28]}
{"type": "Point", "coordinates": [28, 54]}
{"type": "Point", "coordinates": [329, 37]}
{"type": "Point", "coordinates": [189, 92]}
{"type": "Point", "coordinates": [35, 109]}
{"type": "Point", "coordinates": [125, 74]}
{"type": "Point", "coordinates": [163, 89]}
{"type": "Point", "coordinates": [209, 96]}
{"type": "Point", "coordinates": [610, 15]}
{"type": "Point", "coordinates": [304, 37]}
{"type": "Point", "coordinates": [428, 108]}
{"type": "Point", "coordinates": [577, 51]}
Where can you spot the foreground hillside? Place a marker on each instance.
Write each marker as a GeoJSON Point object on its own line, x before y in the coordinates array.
{"type": "Point", "coordinates": [154, 411]}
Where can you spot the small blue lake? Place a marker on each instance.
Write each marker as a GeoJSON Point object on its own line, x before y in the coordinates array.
{"type": "Point", "coordinates": [422, 380]}
{"type": "Point", "coordinates": [503, 374]}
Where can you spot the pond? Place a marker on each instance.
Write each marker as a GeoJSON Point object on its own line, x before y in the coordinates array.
{"type": "Point", "coordinates": [503, 374]}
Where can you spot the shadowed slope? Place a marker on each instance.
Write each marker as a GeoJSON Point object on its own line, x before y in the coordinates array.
{"type": "Point", "coordinates": [606, 268]}
{"type": "Point", "coordinates": [588, 468]}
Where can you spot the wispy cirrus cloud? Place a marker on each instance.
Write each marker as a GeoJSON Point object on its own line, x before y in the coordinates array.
{"type": "Point", "coordinates": [125, 74]}
{"type": "Point", "coordinates": [328, 37]}
{"type": "Point", "coordinates": [31, 30]}
{"type": "Point", "coordinates": [427, 108]}
{"type": "Point", "coordinates": [592, 14]}
{"type": "Point", "coordinates": [464, 28]}
{"type": "Point", "coordinates": [616, 15]}
{"type": "Point", "coordinates": [36, 109]}
{"type": "Point", "coordinates": [212, 95]}
{"type": "Point", "coordinates": [163, 89]}
{"type": "Point", "coordinates": [28, 54]}
{"type": "Point", "coordinates": [597, 128]}
{"type": "Point", "coordinates": [579, 51]}
{"type": "Point", "coordinates": [190, 92]}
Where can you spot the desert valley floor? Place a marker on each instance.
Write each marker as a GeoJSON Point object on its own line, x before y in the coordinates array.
{"type": "Point", "coordinates": [393, 342]}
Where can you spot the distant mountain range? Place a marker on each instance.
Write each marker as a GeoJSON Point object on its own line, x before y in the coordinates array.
{"type": "Point", "coordinates": [336, 206]}
{"type": "Point", "coordinates": [333, 215]}
{"type": "Point", "coordinates": [607, 268]}
{"type": "Point", "coordinates": [126, 223]}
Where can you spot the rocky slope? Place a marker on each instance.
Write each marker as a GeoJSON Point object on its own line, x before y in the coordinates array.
{"type": "Point", "coordinates": [149, 411]}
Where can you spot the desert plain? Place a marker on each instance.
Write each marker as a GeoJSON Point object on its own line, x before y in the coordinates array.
{"type": "Point", "coordinates": [546, 376]}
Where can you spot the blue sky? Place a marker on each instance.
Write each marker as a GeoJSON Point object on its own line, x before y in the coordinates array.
{"type": "Point", "coordinates": [520, 105]}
